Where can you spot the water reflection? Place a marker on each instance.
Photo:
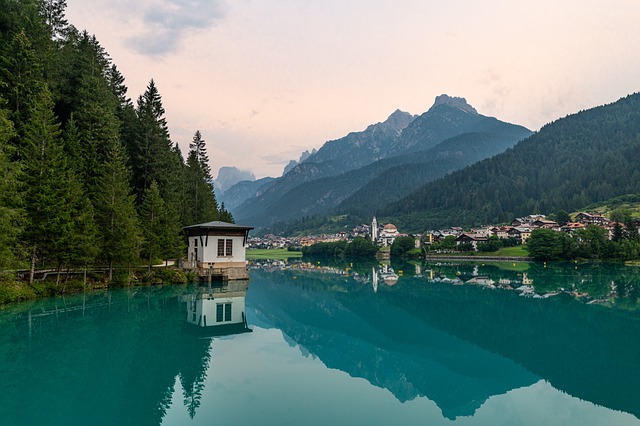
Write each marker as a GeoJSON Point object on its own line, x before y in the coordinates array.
{"type": "Point", "coordinates": [453, 335]}
{"type": "Point", "coordinates": [368, 337]}
{"type": "Point", "coordinates": [218, 310]}
{"type": "Point", "coordinates": [596, 283]}
{"type": "Point", "coordinates": [443, 341]}
{"type": "Point", "coordinates": [108, 358]}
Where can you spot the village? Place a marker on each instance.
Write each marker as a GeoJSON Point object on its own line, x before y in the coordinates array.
{"type": "Point", "coordinates": [519, 231]}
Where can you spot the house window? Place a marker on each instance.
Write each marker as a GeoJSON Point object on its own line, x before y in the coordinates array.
{"type": "Point", "coordinates": [225, 248]}
{"type": "Point", "coordinates": [223, 312]}
{"type": "Point", "coordinates": [195, 242]}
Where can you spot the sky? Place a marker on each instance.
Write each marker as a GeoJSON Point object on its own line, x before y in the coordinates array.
{"type": "Point", "coordinates": [264, 80]}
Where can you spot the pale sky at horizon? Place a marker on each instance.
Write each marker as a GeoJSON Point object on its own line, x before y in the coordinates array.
{"type": "Point", "coordinates": [265, 80]}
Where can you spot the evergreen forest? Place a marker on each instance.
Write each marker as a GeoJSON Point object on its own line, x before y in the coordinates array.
{"type": "Point", "coordinates": [87, 176]}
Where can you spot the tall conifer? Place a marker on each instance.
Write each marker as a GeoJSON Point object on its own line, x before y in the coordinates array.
{"type": "Point", "coordinates": [200, 196]}
{"type": "Point", "coordinates": [44, 167]}
{"type": "Point", "coordinates": [155, 222]}
{"type": "Point", "coordinates": [10, 206]}
{"type": "Point", "coordinates": [116, 215]}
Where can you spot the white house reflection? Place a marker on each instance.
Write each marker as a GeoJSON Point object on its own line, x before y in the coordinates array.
{"type": "Point", "coordinates": [218, 310]}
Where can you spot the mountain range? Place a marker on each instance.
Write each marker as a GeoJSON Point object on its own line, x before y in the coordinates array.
{"type": "Point", "coordinates": [575, 161]}
{"type": "Point", "coordinates": [387, 159]}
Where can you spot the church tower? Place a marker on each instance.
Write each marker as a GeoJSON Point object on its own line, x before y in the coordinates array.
{"type": "Point", "coordinates": [374, 230]}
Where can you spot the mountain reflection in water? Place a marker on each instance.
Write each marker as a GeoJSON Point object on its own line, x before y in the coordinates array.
{"type": "Point", "coordinates": [154, 355]}
{"type": "Point", "coordinates": [458, 345]}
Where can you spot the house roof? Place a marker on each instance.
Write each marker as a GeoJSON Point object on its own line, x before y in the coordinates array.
{"type": "Point", "coordinates": [474, 237]}
{"type": "Point", "coordinates": [216, 224]}
{"type": "Point", "coordinates": [571, 225]}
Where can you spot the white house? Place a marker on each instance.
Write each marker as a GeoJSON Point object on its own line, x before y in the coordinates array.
{"type": "Point", "coordinates": [217, 249]}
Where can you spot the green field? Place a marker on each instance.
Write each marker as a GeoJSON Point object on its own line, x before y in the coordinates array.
{"type": "Point", "coordinates": [517, 251]}
{"type": "Point", "coordinates": [279, 254]}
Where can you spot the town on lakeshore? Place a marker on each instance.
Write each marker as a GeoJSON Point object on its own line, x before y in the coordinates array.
{"type": "Point", "coordinates": [519, 231]}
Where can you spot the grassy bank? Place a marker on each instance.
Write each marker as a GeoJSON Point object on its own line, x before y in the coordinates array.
{"type": "Point", "coordinates": [275, 254]}
{"type": "Point", "coordinates": [516, 251]}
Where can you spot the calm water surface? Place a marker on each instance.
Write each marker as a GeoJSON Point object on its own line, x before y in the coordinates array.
{"type": "Point", "coordinates": [338, 344]}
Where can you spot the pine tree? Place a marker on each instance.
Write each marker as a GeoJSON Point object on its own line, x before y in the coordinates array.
{"type": "Point", "coordinates": [10, 196]}
{"type": "Point", "coordinates": [54, 16]}
{"type": "Point", "coordinates": [21, 70]}
{"type": "Point", "coordinates": [98, 125]}
{"type": "Point", "coordinates": [75, 244]}
{"type": "Point", "coordinates": [198, 145]}
{"type": "Point", "coordinates": [156, 228]}
{"type": "Point", "coordinates": [45, 192]}
{"type": "Point", "coordinates": [224, 215]}
{"type": "Point", "coordinates": [115, 211]}
{"type": "Point", "coordinates": [73, 145]}
{"type": "Point", "coordinates": [200, 196]}
{"type": "Point", "coordinates": [151, 154]}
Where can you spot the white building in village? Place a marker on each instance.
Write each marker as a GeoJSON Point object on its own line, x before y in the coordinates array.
{"type": "Point", "coordinates": [385, 237]}
{"type": "Point", "coordinates": [374, 230]}
{"type": "Point", "coordinates": [217, 250]}
{"type": "Point", "coordinates": [389, 234]}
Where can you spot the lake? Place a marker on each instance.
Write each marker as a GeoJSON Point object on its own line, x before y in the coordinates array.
{"type": "Point", "coordinates": [335, 343]}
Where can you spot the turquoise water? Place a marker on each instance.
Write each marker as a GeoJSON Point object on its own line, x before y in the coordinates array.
{"type": "Point", "coordinates": [341, 344]}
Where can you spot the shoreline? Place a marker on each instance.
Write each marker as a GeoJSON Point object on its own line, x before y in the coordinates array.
{"type": "Point", "coordinates": [481, 258]}
{"type": "Point", "coordinates": [15, 290]}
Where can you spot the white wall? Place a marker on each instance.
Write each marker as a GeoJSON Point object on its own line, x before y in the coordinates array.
{"type": "Point", "coordinates": [207, 249]}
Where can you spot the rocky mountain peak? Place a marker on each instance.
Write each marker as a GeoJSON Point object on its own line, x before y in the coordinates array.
{"type": "Point", "coordinates": [399, 119]}
{"type": "Point", "coordinates": [229, 176]}
{"type": "Point", "coordinates": [452, 101]}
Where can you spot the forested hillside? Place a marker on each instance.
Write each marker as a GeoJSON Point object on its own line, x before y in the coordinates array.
{"type": "Point", "coordinates": [86, 176]}
{"type": "Point", "coordinates": [241, 191]}
{"type": "Point", "coordinates": [575, 161]}
{"type": "Point", "coordinates": [448, 156]}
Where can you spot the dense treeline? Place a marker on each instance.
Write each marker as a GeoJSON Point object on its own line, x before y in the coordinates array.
{"type": "Point", "coordinates": [590, 243]}
{"type": "Point", "coordinates": [86, 176]}
{"type": "Point", "coordinates": [359, 247]}
{"type": "Point", "coordinates": [581, 159]}
{"type": "Point", "coordinates": [450, 155]}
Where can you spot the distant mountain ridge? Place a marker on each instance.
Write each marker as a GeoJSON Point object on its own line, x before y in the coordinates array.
{"type": "Point", "coordinates": [358, 149]}
{"type": "Point", "coordinates": [241, 191]}
{"type": "Point", "coordinates": [294, 163]}
{"type": "Point", "coordinates": [343, 166]}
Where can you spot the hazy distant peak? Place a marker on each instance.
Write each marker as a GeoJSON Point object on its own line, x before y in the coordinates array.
{"type": "Point", "coordinates": [399, 119]}
{"type": "Point", "coordinates": [307, 154]}
{"type": "Point", "coordinates": [229, 176]}
{"type": "Point", "coordinates": [452, 101]}
{"type": "Point", "coordinates": [289, 167]}
{"type": "Point", "coordinates": [293, 163]}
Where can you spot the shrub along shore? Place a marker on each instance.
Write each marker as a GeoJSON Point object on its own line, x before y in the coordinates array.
{"type": "Point", "coordinates": [13, 289]}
